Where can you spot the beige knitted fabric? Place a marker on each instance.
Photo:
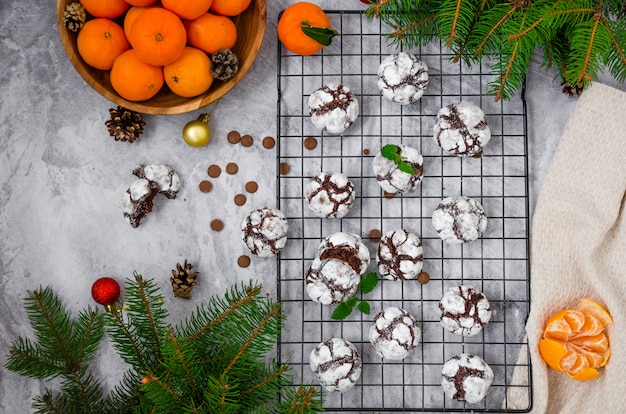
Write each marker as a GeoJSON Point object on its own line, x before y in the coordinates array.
{"type": "Point", "coordinates": [578, 249]}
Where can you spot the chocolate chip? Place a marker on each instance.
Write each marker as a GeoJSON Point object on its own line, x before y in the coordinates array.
{"type": "Point", "coordinates": [240, 199]}
{"type": "Point", "coordinates": [214, 171]}
{"type": "Point", "coordinates": [243, 261]}
{"type": "Point", "coordinates": [374, 235]}
{"type": "Point", "coordinates": [217, 225]}
{"type": "Point", "coordinates": [232, 168]}
{"type": "Point", "coordinates": [366, 151]}
{"type": "Point", "coordinates": [389, 195]}
{"type": "Point", "coordinates": [234, 137]}
{"type": "Point", "coordinates": [284, 168]}
{"type": "Point", "coordinates": [269, 142]}
{"type": "Point", "coordinates": [423, 278]}
{"type": "Point", "coordinates": [205, 186]}
{"type": "Point", "coordinates": [252, 186]}
{"type": "Point", "coordinates": [310, 143]}
{"type": "Point", "coordinates": [247, 140]}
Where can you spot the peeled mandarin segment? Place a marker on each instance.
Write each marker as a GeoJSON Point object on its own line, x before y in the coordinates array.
{"type": "Point", "coordinates": [585, 374]}
{"type": "Point", "coordinates": [558, 329]}
{"type": "Point", "coordinates": [552, 352]}
{"type": "Point", "coordinates": [575, 319]}
{"type": "Point", "coordinates": [595, 359]}
{"type": "Point", "coordinates": [591, 307]}
{"type": "Point", "coordinates": [591, 327]}
{"type": "Point", "coordinates": [597, 343]}
{"type": "Point", "coordinates": [570, 361]}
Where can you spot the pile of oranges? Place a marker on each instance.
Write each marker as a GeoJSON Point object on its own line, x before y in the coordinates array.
{"type": "Point", "coordinates": [148, 43]}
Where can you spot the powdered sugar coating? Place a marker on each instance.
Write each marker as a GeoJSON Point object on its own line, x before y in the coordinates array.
{"type": "Point", "coordinates": [331, 281]}
{"type": "Point", "coordinates": [138, 200]}
{"type": "Point", "coordinates": [459, 219]}
{"type": "Point", "coordinates": [461, 129]}
{"type": "Point", "coordinates": [337, 364]}
{"type": "Point", "coordinates": [347, 247]}
{"type": "Point", "coordinates": [330, 195]}
{"type": "Point", "coordinates": [402, 78]}
{"type": "Point", "coordinates": [391, 178]}
{"type": "Point", "coordinates": [333, 108]}
{"type": "Point", "coordinates": [464, 310]}
{"type": "Point", "coordinates": [394, 333]}
{"type": "Point", "coordinates": [466, 377]}
{"type": "Point", "coordinates": [400, 255]}
{"type": "Point", "coordinates": [264, 231]}
{"type": "Point", "coordinates": [164, 176]}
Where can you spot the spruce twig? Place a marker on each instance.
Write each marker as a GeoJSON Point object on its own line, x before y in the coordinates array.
{"type": "Point", "coordinates": [213, 362]}
{"type": "Point", "coordinates": [578, 37]}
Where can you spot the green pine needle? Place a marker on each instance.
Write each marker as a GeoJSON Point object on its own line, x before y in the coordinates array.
{"type": "Point", "coordinates": [213, 361]}
{"type": "Point", "coordinates": [580, 38]}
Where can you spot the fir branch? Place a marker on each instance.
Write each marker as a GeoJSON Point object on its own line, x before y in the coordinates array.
{"type": "Point", "coordinates": [167, 399]}
{"type": "Point", "coordinates": [273, 314]}
{"type": "Point", "coordinates": [302, 400]}
{"type": "Point", "coordinates": [82, 389]}
{"type": "Point", "coordinates": [50, 321]}
{"type": "Point", "coordinates": [222, 395]}
{"type": "Point", "coordinates": [251, 292]}
{"type": "Point", "coordinates": [491, 22]}
{"type": "Point", "coordinates": [616, 60]}
{"type": "Point", "coordinates": [50, 404]}
{"type": "Point", "coordinates": [125, 341]}
{"type": "Point", "coordinates": [590, 43]}
{"type": "Point", "coordinates": [145, 307]}
{"type": "Point", "coordinates": [276, 375]}
{"type": "Point", "coordinates": [88, 332]}
{"type": "Point", "coordinates": [567, 13]}
{"type": "Point", "coordinates": [183, 361]}
{"type": "Point", "coordinates": [29, 360]}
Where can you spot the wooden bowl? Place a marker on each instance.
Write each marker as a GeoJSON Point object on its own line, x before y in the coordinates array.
{"type": "Point", "coordinates": [250, 30]}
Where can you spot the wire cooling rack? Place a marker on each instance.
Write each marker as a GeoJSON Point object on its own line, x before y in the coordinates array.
{"type": "Point", "coordinates": [497, 264]}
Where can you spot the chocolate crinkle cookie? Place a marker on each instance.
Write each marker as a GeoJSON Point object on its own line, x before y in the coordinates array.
{"type": "Point", "coordinates": [264, 231]}
{"type": "Point", "coordinates": [389, 175]}
{"type": "Point", "coordinates": [402, 78]}
{"type": "Point", "coordinates": [400, 255]}
{"type": "Point", "coordinates": [337, 364]}
{"type": "Point", "coordinates": [138, 200]}
{"type": "Point", "coordinates": [164, 176]}
{"type": "Point", "coordinates": [459, 219]}
{"type": "Point", "coordinates": [334, 275]}
{"type": "Point", "coordinates": [394, 333]}
{"type": "Point", "coordinates": [330, 195]}
{"type": "Point", "coordinates": [333, 108]}
{"type": "Point", "coordinates": [461, 129]}
{"type": "Point", "coordinates": [464, 310]}
{"type": "Point", "coordinates": [466, 378]}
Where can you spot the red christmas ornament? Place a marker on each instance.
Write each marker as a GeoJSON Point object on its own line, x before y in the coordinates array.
{"type": "Point", "coordinates": [105, 291]}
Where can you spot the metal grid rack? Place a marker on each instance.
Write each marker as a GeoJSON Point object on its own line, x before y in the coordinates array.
{"type": "Point", "coordinates": [497, 263]}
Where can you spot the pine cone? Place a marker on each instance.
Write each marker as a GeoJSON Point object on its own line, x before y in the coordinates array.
{"type": "Point", "coordinates": [74, 16]}
{"type": "Point", "coordinates": [225, 64]}
{"type": "Point", "coordinates": [125, 125]}
{"type": "Point", "coordinates": [184, 280]}
{"type": "Point", "coordinates": [572, 90]}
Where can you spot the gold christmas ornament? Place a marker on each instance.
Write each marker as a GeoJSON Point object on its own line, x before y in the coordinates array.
{"type": "Point", "coordinates": [197, 133]}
